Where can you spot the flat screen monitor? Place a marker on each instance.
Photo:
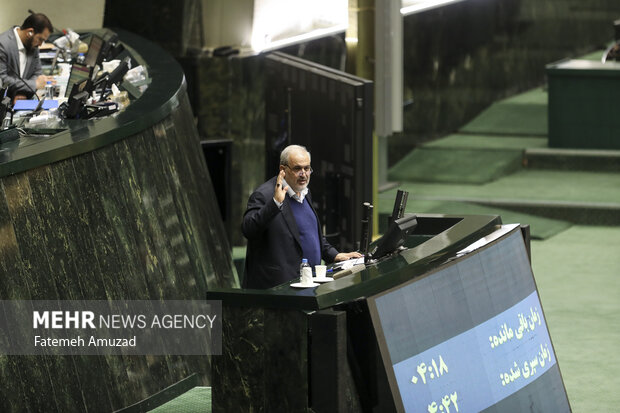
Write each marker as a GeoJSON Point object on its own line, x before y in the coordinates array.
{"type": "Point", "coordinates": [470, 336]}
{"type": "Point", "coordinates": [84, 85]}
{"type": "Point", "coordinates": [394, 237]}
{"type": "Point", "coordinates": [75, 104]}
{"type": "Point", "coordinates": [78, 74]}
{"type": "Point", "coordinates": [94, 55]}
{"type": "Point", "coordinates": [110, 41]}
{"type": "Point", "coordinates": [53, 69]}
{"type": "Point", "coordinates": [400, 204]}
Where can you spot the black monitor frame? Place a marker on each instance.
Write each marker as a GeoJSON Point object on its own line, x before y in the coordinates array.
{"type": "Point", "coordinates": [74, 78]}
{"type": "Point", "coordinates": [84, 85]}
{"type": "Point", "coordinates": [75, 105]}
{"type": "Point", "coordinates": [94, 56]}
{"type": "Point", "coordinates": [400, 204]}
{"type": "Point", "coordinates": [112, 46]}
{"type": "Point", "coordinates": [394, 237]}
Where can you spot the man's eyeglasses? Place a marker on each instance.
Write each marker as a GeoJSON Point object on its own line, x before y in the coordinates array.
{"type": "Point", "coordinates": [299, 169]}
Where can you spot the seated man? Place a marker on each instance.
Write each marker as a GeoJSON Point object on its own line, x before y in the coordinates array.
{"type": "Point", "coordinates": [282, 226]}
{"type": "Point", "coordinates": [20, 67]}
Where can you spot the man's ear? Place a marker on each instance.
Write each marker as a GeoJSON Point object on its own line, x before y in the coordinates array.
{"type": "Point", "coordinates": [281, 168]}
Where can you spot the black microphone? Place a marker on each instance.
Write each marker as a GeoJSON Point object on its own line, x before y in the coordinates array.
{"type": "Point", "coordinates": [102, 77]}
{"type": "Point", "coordinates": [23, 81]}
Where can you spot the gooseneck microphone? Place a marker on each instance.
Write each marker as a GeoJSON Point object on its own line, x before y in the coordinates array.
{"type": "Point", "coordinates": [22, 80]}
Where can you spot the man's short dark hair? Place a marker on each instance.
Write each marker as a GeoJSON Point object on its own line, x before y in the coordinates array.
{"type": "Point", "coordinates": [38, 22]}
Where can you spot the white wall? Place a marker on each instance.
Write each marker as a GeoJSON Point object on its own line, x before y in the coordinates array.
{"type": "Point", "coordinates": [267, 24]}
{"type": "Point", "coordinates": [78, 15]}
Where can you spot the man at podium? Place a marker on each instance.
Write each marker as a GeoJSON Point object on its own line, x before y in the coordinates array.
{"type": "Point", "coordinates": [282, 226]}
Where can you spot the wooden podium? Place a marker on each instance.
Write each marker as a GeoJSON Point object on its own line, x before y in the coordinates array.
{"type": "Point", "coordinates": [422, 330]}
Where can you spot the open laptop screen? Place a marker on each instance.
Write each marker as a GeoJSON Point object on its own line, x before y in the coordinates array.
{"type": "Point", "coordinates": [93, 57]}
{"type": "Point", "coordinates": [78, 73]}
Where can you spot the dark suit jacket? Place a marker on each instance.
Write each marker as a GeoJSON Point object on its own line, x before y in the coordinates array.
{"type": "Point", "coordinates": [274, 251]}
{"type": "Point", "coordinates": [9, 66]}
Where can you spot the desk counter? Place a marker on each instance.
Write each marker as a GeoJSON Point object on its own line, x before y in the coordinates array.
{"type": "Point", "coordinates": [119, 208]}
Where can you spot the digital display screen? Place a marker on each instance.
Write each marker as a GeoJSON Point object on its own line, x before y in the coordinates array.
{"type": "Point", "coordinates": [94, 49]}
{"type": "Point", "coordinates": [78, 73]}
{"type": "Point", "coordinates": [470, 336]}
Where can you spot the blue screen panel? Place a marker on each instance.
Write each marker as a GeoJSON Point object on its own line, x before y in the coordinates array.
{"type": "Point", "coordinates": [470, 337]}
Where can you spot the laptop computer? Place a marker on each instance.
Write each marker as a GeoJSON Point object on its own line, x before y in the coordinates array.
{"type": "Point", "coordinates": [79, 73]}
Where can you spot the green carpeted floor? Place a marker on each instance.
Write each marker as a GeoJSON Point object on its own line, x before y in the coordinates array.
{"type": "Point", "coordinates": [196, 400]}
{"type": "Point", "coordinates": [524, 114]}
{"type": "Point", "coordinates": [596, 55]}
{"type": "Point", "coordinates": [488, 143]}
{"type": "Point", "coordinates": [445, 165]}
{"type": "Point", "coordinates": [485, 158]}
{"type": "Point", "coordinates": [578, 278]}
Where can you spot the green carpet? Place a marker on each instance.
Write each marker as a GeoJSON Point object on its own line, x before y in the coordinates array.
{"type": "Point", "coordinates": [433, 165]}
{"type": "Point", "coordinates": [467, 159]}
{"type": "Point", "coordinates": [596, 55]}
{"type": "Point", "coordinates": [524, 114]}
{"type": "Point", "coordinates": [488, 142]}
{"type": "Point", "coordinates": [238, 254]}
{"type": "Point", "coordinates": [578, 278]}
{"type": "Point", "coordinates": [196, 400]}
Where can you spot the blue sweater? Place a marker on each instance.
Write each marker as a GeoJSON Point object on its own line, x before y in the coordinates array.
{"type": "Point", "coordinates": [308, 231]}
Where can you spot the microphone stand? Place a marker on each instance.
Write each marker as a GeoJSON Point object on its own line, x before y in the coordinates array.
{"type": "Point", "coordinates": [18, 76]}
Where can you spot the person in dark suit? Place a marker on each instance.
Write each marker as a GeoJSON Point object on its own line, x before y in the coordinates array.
{"type": "Point", "coordinates": [20, 67]}
{"type": "Point", "coordinates": [282, 226]}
